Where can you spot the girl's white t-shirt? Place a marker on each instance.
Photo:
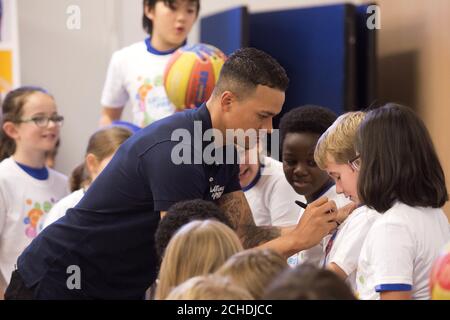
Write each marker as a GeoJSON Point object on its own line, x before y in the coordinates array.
{"type": "Point", "coordinates": [23, 202]}
{"type": "Point", "coordinates": [399, 251]}
{"type": "Point", "coordinates": [346, 246]}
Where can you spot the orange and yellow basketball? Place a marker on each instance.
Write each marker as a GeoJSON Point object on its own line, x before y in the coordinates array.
{"type": "Point", "coordinates": [191, 74]}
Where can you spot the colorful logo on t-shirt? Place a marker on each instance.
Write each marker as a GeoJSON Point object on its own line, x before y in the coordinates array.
{"type": "Point", "coordinates": [141, 96]}
{"type": "Point", "coordinates": [34, 215]}
{"type": "Point", "coordinates": [152, 101]}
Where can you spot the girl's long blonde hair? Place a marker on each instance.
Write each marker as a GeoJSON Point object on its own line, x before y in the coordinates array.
{"type": "Point", "coordinates": [198, 248]}
{"type": "Point", "coordinates": [253, 269]}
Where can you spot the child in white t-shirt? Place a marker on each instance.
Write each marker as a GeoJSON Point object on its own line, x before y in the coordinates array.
{"type": "Point", "coordinates": [300, 129]}
{"type": "Point", "coordinates": [400, 177]}
{"type": "Point", "coordinates": [28, 189]}
{"type": "Point", "coordinates": [101, 148]}
{"type": "Point", "coordinates": [135, 73]}
{"type": "Point", "coordinates": [335, 153]}
{"type": "Point", "coordinates": [268, 194]}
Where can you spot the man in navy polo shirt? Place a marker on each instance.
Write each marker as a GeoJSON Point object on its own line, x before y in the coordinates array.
{"type": "Point", "coordinates": [104, 247]}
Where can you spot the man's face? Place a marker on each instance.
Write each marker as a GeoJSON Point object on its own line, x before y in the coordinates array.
{"type": "Point", "coordinates": [255, 112]}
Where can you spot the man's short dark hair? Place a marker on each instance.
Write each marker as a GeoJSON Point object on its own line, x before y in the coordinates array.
{"type": "Point", "coordinates": [182, 213]}
{"type": "Point", "coordinates": [247, 68]}
{"type": "Point", "coordinates": [306, 119]}
{"type": "Point", "coordinates": [147, 24]}
{"type": "Point", "coordinates": [308, 282]}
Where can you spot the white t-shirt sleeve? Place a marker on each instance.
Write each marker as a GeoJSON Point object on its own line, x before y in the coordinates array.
{"type": "Point", "coordinates": [60, 208]}
{"type": "Point", "coordinates": [282, 208]}
{"type": "Point", "coordinates": [348, 249]}
{"type": "Point", "coordinates": [3, 212]}
{"type": "Point", "coordinates": [392, 254]}
{"type": "Point", "coordinates": [58, 211]}
{"type": "Point", "coordinates": [114, 91]}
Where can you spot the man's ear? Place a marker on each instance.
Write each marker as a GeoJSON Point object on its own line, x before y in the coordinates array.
{"type": "Point", "coordinates": [11, 130]}
{"type": "Point", "coordinates": [227, 99]}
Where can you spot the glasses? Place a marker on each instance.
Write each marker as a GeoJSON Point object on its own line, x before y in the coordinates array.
{"type": "Point", "coordinates": [43, 121]}
{"type": "Point", "coordinates": [355, 163]}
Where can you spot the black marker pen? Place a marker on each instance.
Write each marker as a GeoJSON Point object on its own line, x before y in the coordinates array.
{"type": "Point", "coordinates": [301, 204]}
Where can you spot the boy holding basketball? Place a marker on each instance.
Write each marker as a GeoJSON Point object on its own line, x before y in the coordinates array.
{"type": "Point", "coordinates": [135, 73]}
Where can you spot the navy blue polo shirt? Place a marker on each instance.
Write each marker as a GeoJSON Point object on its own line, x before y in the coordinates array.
{"type": "Point", "coordinates": [109, 235]}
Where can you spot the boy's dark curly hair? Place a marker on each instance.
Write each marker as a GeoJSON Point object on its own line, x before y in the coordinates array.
{"type": "Point", "coordinates": [182, 213]}
{"type": "Point", "coordinates": [308, 118]}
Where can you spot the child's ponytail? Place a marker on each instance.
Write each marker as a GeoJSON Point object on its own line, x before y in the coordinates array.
{"type": "Point", "coordinates": [79, 178]}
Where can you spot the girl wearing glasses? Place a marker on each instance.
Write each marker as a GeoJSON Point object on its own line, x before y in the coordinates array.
{"type": "Point", "coordinates": [28, 189]}
{"type": "Point", "coordinates": [335, 153]}
{"type": "Point", "coordinates": [400, 177]}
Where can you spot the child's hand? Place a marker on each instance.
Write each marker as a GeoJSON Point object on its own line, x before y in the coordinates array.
{"type": "Point", "coordinates": [345, 211]}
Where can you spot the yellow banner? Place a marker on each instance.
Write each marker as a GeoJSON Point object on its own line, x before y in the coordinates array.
{"type": "Point", "coordinates": [6, 70]}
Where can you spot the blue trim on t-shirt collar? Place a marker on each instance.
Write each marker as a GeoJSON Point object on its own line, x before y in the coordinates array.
{"type": "Point", "coordinates": [254, 181]}
{"type": "Point", "coordinates": [393, 287]}
{"type": "Point", "coordinates": [152, 50]}
{"type": "Point", "coordinates": [39, 174]}
{"type": "Point", "coordinates": [325, 189]}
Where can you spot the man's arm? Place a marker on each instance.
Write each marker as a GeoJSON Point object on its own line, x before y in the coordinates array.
{"type": "Point", "coordinates": [338, 270]}
{"type": "Point", "coordinates": [238, 211]}
{"type": "Point", "coordinates": [316, 222]}
{"type": "Point", "coordinates": [109, 115]}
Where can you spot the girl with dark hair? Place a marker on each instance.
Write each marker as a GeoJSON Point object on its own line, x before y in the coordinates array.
{"type": "Point", "coordinates": [401, 178]}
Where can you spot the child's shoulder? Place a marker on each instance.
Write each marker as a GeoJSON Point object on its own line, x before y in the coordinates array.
{"type": "Point", "coordinates": [58, 176]}
{"type": "Point", "coordinates": [70, 200]}
{"type": "Point", "coordinates": [404, 217]}
{"type": "Point", "coordinates": [131, 50]}
{"type": "Point", "coordinates": [7, 168]}
{"type": "Point", "coordinates": [362, 215]}
{"type": "Point", "coordinates": [401, 212]}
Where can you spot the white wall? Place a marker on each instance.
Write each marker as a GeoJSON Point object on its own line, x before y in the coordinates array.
{"type": "Point", "coordinates": [72, 63]}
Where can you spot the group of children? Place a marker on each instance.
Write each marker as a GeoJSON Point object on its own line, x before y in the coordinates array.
{"type": "Point", "coordinates": [379, 167]}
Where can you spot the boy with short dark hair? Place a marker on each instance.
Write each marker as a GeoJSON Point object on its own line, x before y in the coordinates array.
{"type": "Point", "coordinates": [135, 73]}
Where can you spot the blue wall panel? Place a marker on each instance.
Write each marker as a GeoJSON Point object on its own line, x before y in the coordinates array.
{"type": "Point", "coordinates": [227, 30]}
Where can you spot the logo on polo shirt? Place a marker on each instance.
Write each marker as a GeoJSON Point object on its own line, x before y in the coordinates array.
{"type": "Point", "coordinates": [216, 191]}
